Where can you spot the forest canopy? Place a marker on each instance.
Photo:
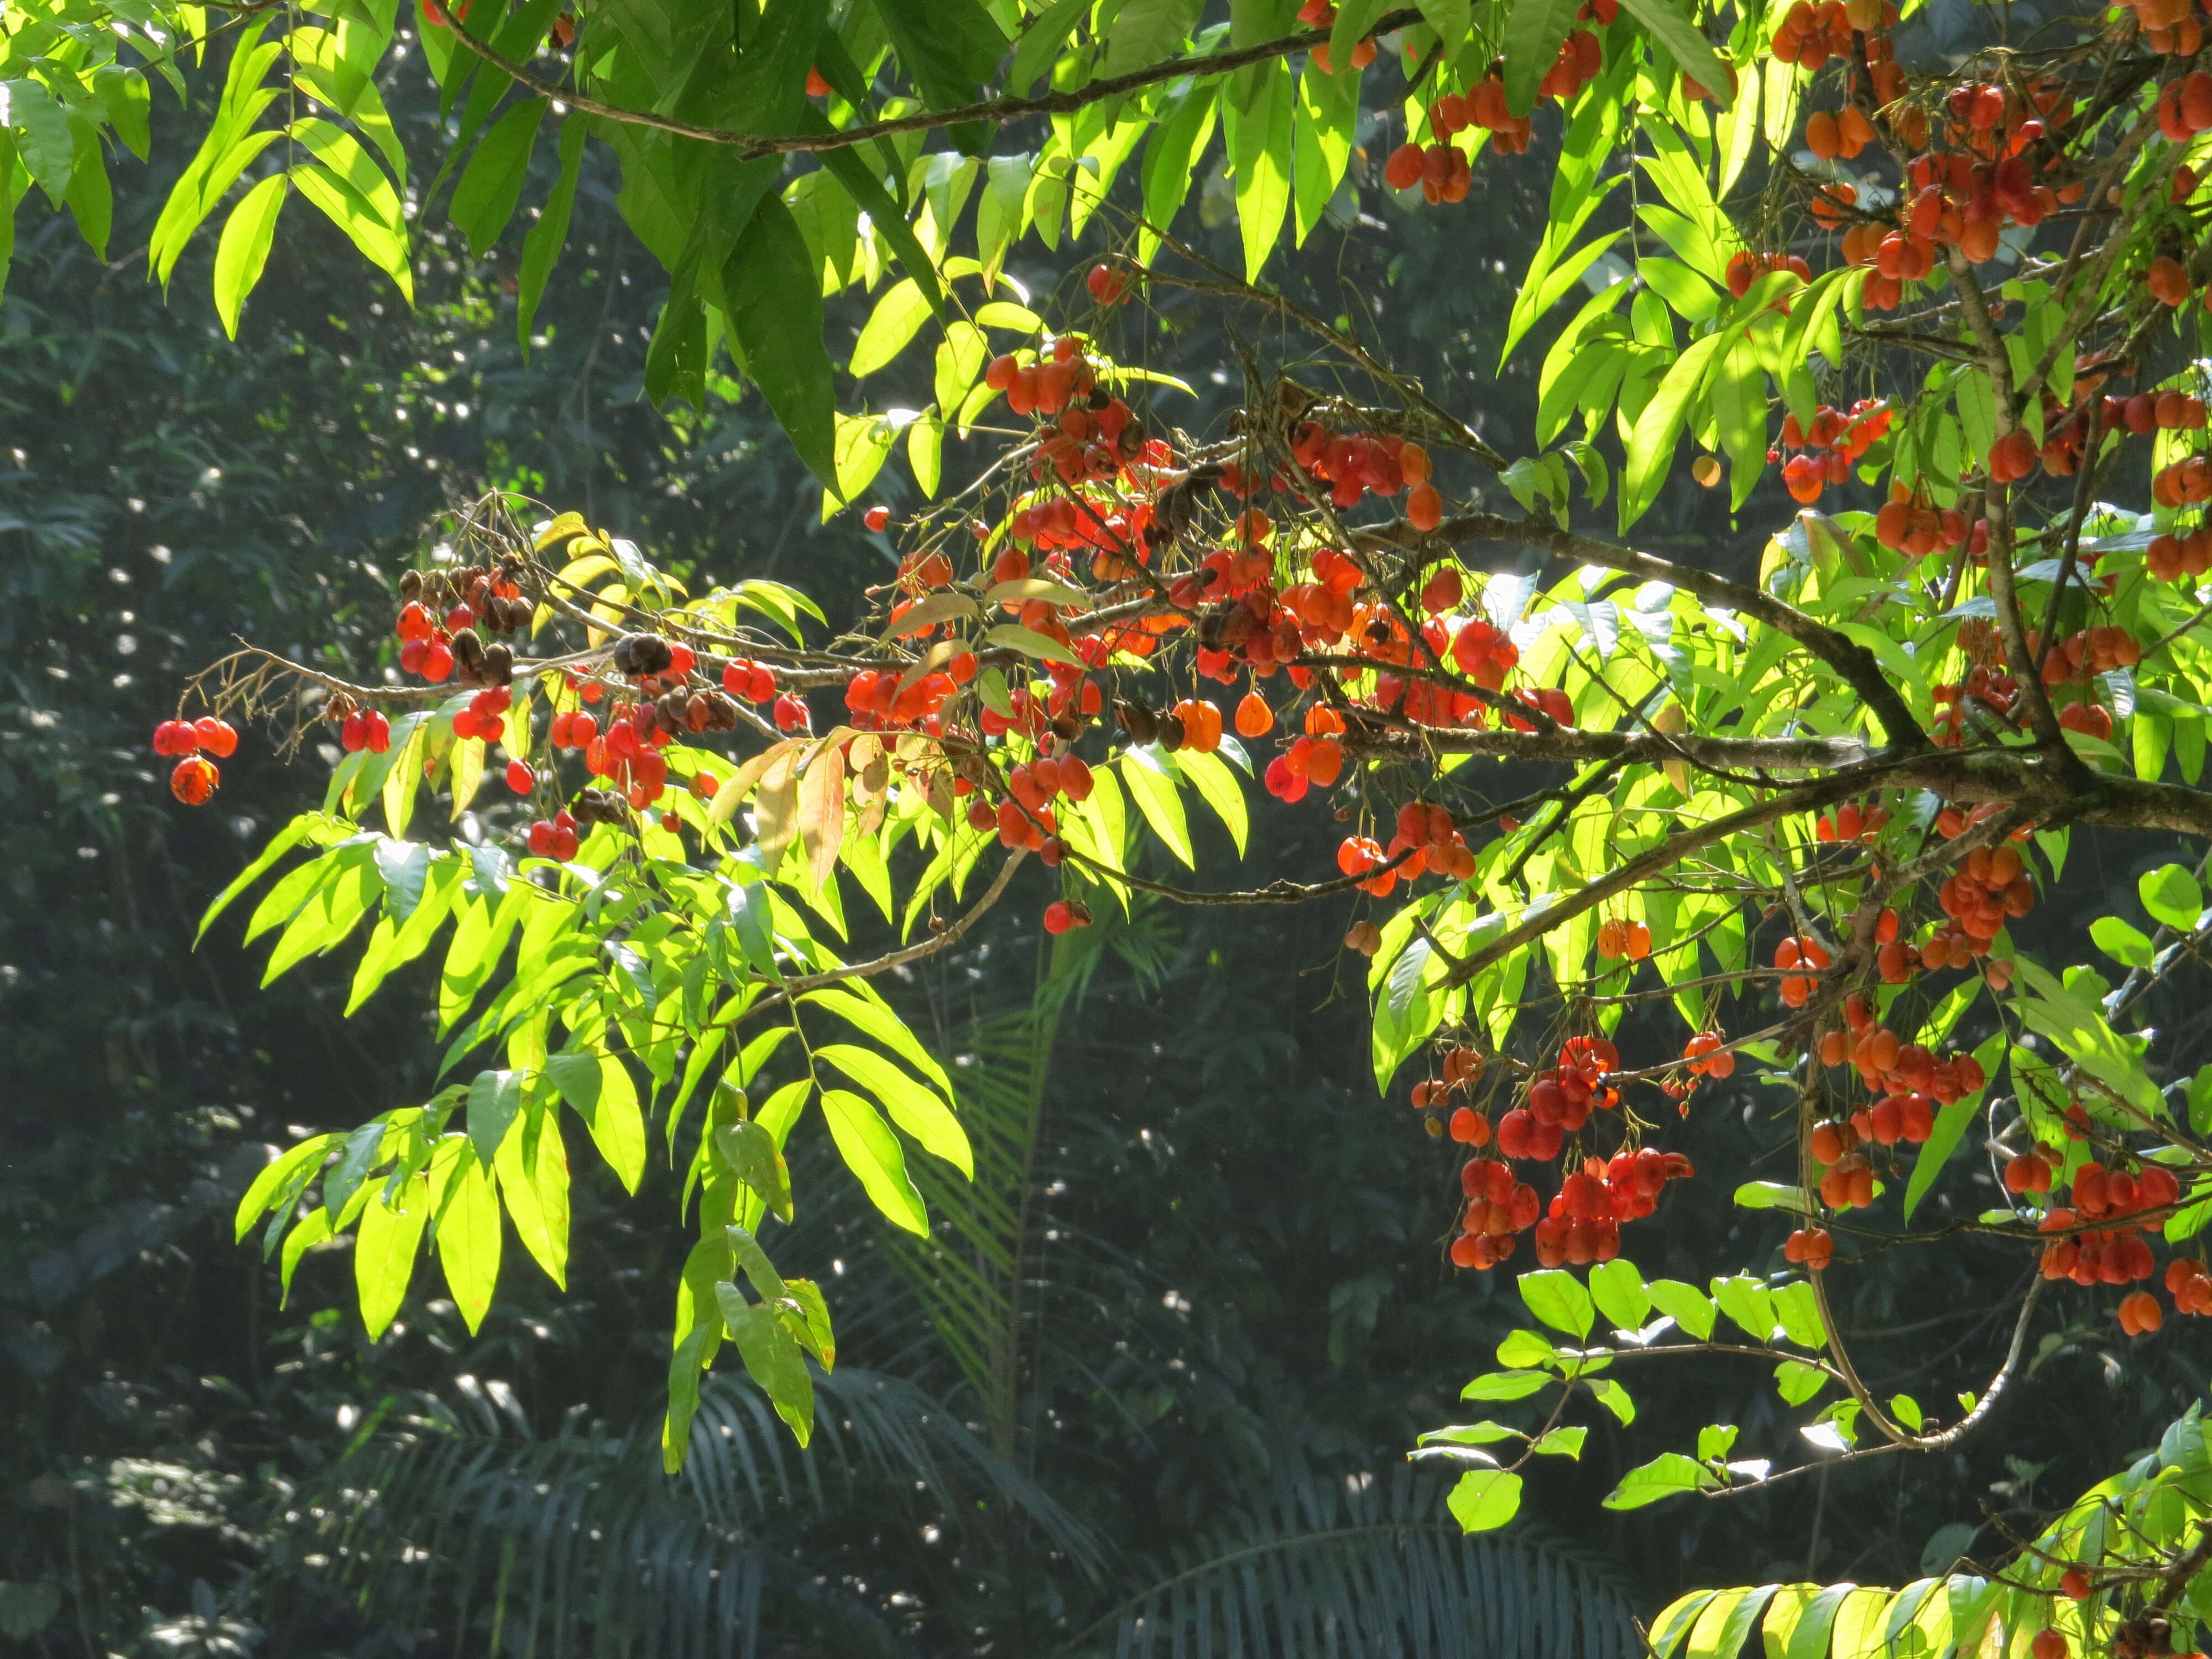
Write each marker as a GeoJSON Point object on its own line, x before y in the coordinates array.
{"type": "Point", "coordinates": [1611, 827]}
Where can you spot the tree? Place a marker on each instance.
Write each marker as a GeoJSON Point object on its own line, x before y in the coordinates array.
{"type": "Point", "coordinates": [1905, 711]}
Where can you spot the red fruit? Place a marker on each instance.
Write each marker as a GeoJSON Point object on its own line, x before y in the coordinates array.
{"type": "Point", "coordinates": [877, 517]}
{"type": "Point", "coordinates": [194, 781]}
{"type": "Point", "coordinates": [215, 736]}
{"type": "Point", "coordinates": [1059, 915]}
{"type": "Point", "coordinates": [1403, 170]}
{"type": "Point", "coordinates": [520, 778]}
{"type": "Point", "coordinates": [816, 86]}
{"type": "Point", "coordinates": [377, 731]}
{"type": "Point", "coordinates": [2075, 1584]}
{"type": "Point", "coordinates": [437, 662]}
{"type": "Point", "coordinates": [175, 738]}
{"type": "Point", "coordinates": [1107, 285]}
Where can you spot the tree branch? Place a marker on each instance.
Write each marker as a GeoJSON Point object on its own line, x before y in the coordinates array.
{"type": "Point", "coordinates": [753, 146]}
{"type": "Point", "coordinates": [1857, 665]}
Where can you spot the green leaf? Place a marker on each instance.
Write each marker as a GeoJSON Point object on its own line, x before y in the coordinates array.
{"type": "Point", "coordinates": [244, 249]}
{"type": "Point", "coordinates": [1669, 1476]}
{"type": "Point", "coordinates": [490, 187]}
{"type": "Point", "coordinates": [2171, 896]}
{"type": "Point", "coordinates": [871, 1151]}
{"type": "Point", "coordinates": [384, 1252]}
{"type": "Point", "coordinates": [1561, 1443]}
{"type": "Point", "coordinates": [469, 1234]}
{"type": "Point", "coordinates": [772, 1358]}
{"type": "Point", "coordinates": [1260, 153]}
{"type": "Point", "coordinates": [274, 1175]}
{"type": "Point", "coordinates": [1797, 1382]}
{"type": "Point", "coordinates": [1525, 1348]}
{"type": "Point", "coordinates": [961, 359]}
{"type": "Point", "coordinates": [1030, 643]}
{"type": "Point", "coordinates": [1659, 429]}
{"type": "Point", "coordinates": [1216, 785]}
{"type": "Point", "coordinates": [1690, 1307]}
{"type": "Point", "coordinates": [1798, 1308]}
{"type": "Point", "coordinates": [1485, 1499]}
{"type": "Point", "coordinates": [494, 1100]}
{"type": "Point", "coordinates": [1172, 152]}
{"type": "Point", "coordinates": [1145, 32]}
{"type": "Point", "coordinates": [598, 1090]}
{"type": "Point", "coordinates": [1535, 31]}
{"type": "Point", "coordinates": [775, 315]}
{"type": "Point", "coordinates": [1484, 1433]}
{"type": "Point", "coordinates": [1685, 44]}
{"type": "Point", "coordinates": [755, 1159]}
{"type": "Point", "coordinates": [542, 246]}
{"type": "Point", "coordinates": [1041, 42]}
{"type": "Point", "coordinates": [861, 1008]}
{"type": "Point", "coordinates": [914, 1106]}
{"type": "Point", "coordinates": [1749, 1304]}
{"type": "Point", "coordinates": [532, 1168]}
{"type": "Point", "coordinates": [1770, 1196]}
{"type": "Point", "coordinates": [1618, 1288]}
{"type": "Point", "coordinates": [950, 47]}
{"type": "Point", "coordinates": [43, 141]}
{"type": "Point", "coordinates": [355, 195]}
{"type": "Point", "coordinates": [890, 327]}
{"type": "Point", "coordinates": [1613, 1397]}
{"type": "Point", "coordinates": [1145, 770]}
{"type": "Point", "coordinates": [1556, 1297]}
{"type": "Point", "coordinates": [1321, 128]}
{"type": "Point", "coordinates": [279, 844]}
{"type": "Point", "coordinates": [1505, 1385]}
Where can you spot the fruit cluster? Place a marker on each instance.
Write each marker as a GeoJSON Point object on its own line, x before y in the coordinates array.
{"type": "Point", "coordinates": [1830, 446]}
{"type": "Point", "coordinates": [194, 778]}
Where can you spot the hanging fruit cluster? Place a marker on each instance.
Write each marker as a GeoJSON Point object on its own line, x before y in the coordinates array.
{"type": "Point", "coordinates": [1830, 446]}
{"type": "Point", "coordinates": [194, 778]}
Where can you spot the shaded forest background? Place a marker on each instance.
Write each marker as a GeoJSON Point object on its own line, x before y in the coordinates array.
{"type": "Point", "coordinates": [1234, 1315]}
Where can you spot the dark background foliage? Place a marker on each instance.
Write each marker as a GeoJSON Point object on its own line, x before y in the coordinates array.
{"type": "Point", "coordinates": [1237, 1288]}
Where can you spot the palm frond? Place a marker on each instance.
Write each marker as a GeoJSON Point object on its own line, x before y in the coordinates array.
{"type": "Point", "coordinates": [578, 1542]}
{"type": "Point", "coordinates": [1367, 1567]}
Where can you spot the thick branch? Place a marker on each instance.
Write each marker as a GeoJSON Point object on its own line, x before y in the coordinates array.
{"type": "Point", "coordinates": [1572, 745]}
{"type": "Point", "coordinates": [1857, 665]}
{"type": "Point", "coordinates": [751, 145]}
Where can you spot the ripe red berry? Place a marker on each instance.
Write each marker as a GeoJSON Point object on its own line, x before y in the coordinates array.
{"type": "Point", "coordinates": [353, 734]}
{"type": "Point", "coordinates": [877, 517]}
{"type": "Point", "coordinates": [194, 781]}
{"type": "Point", "coordinates": [378, 731]}
{"type": "Point", "coordinates": [216, 737]}
{"type": "Point", "coordinates": [520, 778]}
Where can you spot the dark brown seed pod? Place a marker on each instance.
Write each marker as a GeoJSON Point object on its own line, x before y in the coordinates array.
{"type": "Point", "coordinates": [641, 654]}
{"type": "Point", "coordinates": [411, 584]}
{"type": "Point", "coordinates": [1138, 721]}
{"type": "Point", "coordinates": [499, 665]}
{"type": "Point", "coordinates": [722, 713]}
{"type": "Point", "coordinates": [469, 658]}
